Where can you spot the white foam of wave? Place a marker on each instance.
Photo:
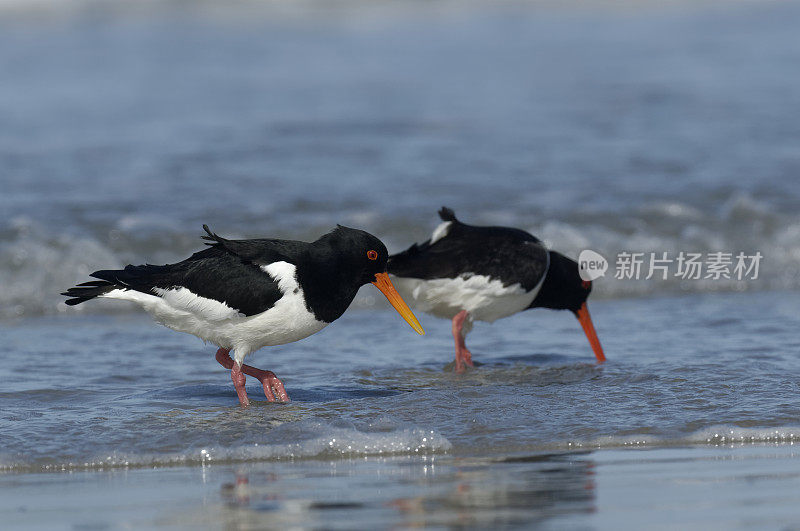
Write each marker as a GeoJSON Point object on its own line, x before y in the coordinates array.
{"type": "Point", "coordinates": [37, 262]}
{"type": "Point", "coordinates": [311, 440]}
{"type": "Point", "coordinates": [36, 266]}
{"type": "Point", "coordinates": [739, 224]}
{"type": "Point", "coordinates": [731, 435]}
{"type": "Point", "coordinates": [719, 435]}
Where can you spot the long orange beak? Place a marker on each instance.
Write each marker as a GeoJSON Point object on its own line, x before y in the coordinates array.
{"type": "Point", "coordinates": [383, 283]}
{"type": "Point", "coordinates": [586, 322]}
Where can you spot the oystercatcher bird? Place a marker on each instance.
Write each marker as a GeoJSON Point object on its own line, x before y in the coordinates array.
{"type": "Point", "coordinates": [242, 295]}
{"type": "Point", "coordinates": [468, 273]}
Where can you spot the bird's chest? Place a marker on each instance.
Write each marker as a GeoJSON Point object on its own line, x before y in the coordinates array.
{"type": "Point", "coordinates": [290, 319]}
{"type": "Point", "coordinates": [485, 298]}
{"type": "Point", "coordinates": [287, 321]}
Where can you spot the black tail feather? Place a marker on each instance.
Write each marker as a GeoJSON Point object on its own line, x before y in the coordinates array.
{"type": "Point", "coordinates": [87, 291]}
{"type": "Point", "coordinates": [396, 260]}
{"type": "Point", "coordinates": [94, 283]}
{"type": "Point", "coordinates": [110, 276]}
{"type": "Point", "coordinates": [447, 214]}
{"type": "Point", "coordinates": [211, 237]}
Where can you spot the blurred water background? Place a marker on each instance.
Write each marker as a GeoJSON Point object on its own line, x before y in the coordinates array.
{"type": "Point", "coordinates": [638, 127]}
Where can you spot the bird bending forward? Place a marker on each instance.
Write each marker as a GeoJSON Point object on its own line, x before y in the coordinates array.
{"type": "Point", "coordinates": [242, 295]}
{"type": "Point", "coordinates": [468, 273]}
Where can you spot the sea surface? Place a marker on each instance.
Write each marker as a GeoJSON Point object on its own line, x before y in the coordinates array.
{"type": "Point", "coordinates": [616, 127]}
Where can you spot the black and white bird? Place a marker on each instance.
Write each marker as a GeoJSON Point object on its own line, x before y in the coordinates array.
{"type": "Point", "coordinates": [242, 295]}
{"type": "Point", "coordinates": [468, 273]}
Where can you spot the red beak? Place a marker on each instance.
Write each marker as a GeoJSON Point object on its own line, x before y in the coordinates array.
{"type": "Point", "coordinates": [588, 327]}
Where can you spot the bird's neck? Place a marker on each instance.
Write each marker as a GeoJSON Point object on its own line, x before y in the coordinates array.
{"type": "Point", "coordinates": [547, 296]}
{"type": "Point", "coordinates": [551, 295]}
{"type": "Point", "coordinates": [328, 286]}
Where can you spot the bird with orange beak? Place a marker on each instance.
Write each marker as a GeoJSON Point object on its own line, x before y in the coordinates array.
{"type": "Point", "coordinates": [468, 273]}
{"type": "Point", "coordinates": [242, 295]}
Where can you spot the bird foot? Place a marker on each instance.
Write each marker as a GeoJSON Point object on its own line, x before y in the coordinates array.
{"type": "Point", "coordinates": [463, 360]}
{"type": "Point", "coordinates": [273, 387]}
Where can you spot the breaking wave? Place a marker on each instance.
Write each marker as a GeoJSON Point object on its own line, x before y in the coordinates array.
{"type": "Point", "coordinates": [312, 439]}
{"type": "Point", "coordinates": [37, 263]}
{"type": "Point", "coordinates": [720, 435]}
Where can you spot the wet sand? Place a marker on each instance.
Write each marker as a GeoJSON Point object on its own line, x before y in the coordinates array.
{"type": "Point", "coordinates": [709, 487]}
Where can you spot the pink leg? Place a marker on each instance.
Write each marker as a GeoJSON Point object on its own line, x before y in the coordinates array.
{"type": "Point", "coordinates": [463, 356]}
{"type": "Point", "coordinates": [272, 385]}
{"type": "Point", "coordinates": [238, 382]}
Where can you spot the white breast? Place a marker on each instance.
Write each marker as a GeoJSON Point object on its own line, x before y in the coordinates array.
{"type": "Point", "coordinates": [484, 298]}
{"type": "Point", "coordinates": [287, 321]}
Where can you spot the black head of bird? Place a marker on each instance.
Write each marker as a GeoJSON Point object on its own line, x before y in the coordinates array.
{"type": "Point", "coordinates": [564, 289]}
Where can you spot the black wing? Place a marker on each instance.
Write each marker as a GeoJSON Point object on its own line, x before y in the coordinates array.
{"type": "Point", "coordinates": [257, 251]}
{"type": "Point", "coordinates": [509, 254]}
{"type": "Point", "coordinates": [229, 271]}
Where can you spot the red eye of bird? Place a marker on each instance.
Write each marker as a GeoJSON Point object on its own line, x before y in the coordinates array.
{"type": "Point", "coordinates": [586, 284]}
{"type": "Point", "coordinates": [372, 254]}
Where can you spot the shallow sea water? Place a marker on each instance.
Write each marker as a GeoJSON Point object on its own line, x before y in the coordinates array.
{"type": "Point", "coordinates": [635, 126]}
{"type": "Point", "coordinates": [692, 421]}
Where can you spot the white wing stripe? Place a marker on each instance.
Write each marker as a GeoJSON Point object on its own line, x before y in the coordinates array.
{"type": "Point", "coordinates": [183, 299]}
{"type": "Point", "coordinates": [440, 231]}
